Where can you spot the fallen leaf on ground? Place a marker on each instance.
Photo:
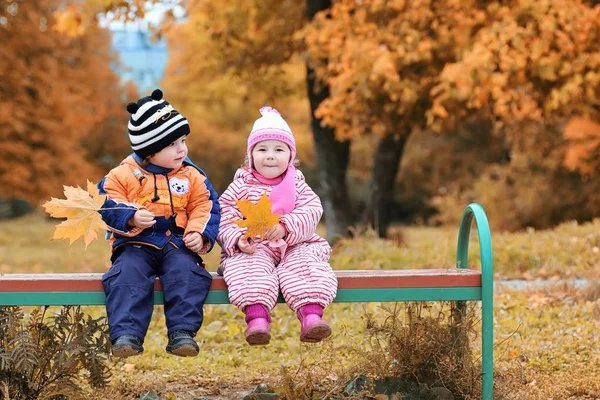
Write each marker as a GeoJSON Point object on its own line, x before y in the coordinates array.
{"type": "Point", "coordinates": [128, 367]}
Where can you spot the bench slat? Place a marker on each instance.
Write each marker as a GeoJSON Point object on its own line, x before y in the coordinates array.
{"type": "Point", "coordinates": [220, 296]}
{"type": "Point", "coordinates": [354, 286]}
{"type": "Point", "coordinates": [351, 279]}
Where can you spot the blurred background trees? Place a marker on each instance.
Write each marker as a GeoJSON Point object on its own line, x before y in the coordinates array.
{"type": "Point", "coordinates": [404, 111]}
{"type": "Point", "coordinates": [59, 102]}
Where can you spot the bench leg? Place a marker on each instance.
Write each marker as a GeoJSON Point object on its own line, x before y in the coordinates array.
{"type": "Point", "coordinates": [487, 337]}
{"type": "Point", "coordinates": [475, 211]}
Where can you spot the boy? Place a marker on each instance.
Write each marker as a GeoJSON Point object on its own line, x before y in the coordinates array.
{"type": "Point", "coordinates": [163, 214]}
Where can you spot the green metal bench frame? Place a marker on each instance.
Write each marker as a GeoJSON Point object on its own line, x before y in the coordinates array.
{"type": "Point", "coordinates": [454, 284]}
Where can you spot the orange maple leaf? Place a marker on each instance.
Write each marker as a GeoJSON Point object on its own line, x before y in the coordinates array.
{"type": "Point", "coordinates": [258, 217]}
{"type": "Point", "coordinates": [80, 208]}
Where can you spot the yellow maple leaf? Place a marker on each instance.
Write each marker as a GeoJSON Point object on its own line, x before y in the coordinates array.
{"type": "Point", "coordinates": [258, 217]}
{"type": "Point", "coordinates": [80, 208]}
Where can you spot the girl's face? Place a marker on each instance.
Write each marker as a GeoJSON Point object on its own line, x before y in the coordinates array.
{"type": "Point", "coordinates": [271, 158]}
{"type": "Point", "coordinates": [171, 156]}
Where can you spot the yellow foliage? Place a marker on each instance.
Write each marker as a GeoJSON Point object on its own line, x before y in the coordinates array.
{"type": "Point", "coordinates": [80, 208]}
{"type": "Point", "coordinates": [258, 217]}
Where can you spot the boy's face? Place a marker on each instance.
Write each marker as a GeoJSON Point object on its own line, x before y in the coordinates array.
{"type": "Point", "coordinates": [270, 158]}
{"type": "Point", "coordinates": [171, 156]}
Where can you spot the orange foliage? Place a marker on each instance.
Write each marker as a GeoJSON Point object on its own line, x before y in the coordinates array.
{"type": "Point", "coordinates": [55, 91]}
{"type": "Point", "coordinates": [106, 143]}
{"type": "Point", "coordinates": [69, 21]}
{"type": "Point", "coordinates": [532, 61]}
{"type": "Point", "coordinates": [80, 16]}
{"type": "Point", "coordinates": [396, 65]}
{"type": "Point", "coordinates": [234, 56]}
{"type": "Point", "coordinates": [381, 58]}
{"type": "Point", "coordinates": [583, 141]}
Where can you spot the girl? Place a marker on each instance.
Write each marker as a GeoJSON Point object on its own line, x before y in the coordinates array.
{"type": "Point", "coordinates": [290, 257]}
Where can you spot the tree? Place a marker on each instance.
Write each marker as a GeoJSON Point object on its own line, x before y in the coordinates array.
{"type": "Point", "coordinates": [531, 68]}
{"type": "Point", "coordinates": [54, 91]}
{"type": "Point", "coordinates": [395, 69]}
{"type": "Point", "coordinates": [333, 155]}
{"type": "Point", "coordinates": [380, 60]}
{"type": "Point", "coordinates": [106, 143]}
{"type": "Point", "coordinates": [370, 67]}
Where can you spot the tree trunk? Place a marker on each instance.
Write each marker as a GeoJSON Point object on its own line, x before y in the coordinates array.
{"type": "Point", "coordinates": [314, 6]}
{"type": "Point", "coordinates": [332, 156]}
{"type": "Point", "coordinates": [383, 179]}
{"type": "Point", "coordinates": [332, 163]}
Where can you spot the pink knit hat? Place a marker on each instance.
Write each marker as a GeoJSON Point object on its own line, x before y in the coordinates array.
{"type": "Point", "coordinates": [271, 126]}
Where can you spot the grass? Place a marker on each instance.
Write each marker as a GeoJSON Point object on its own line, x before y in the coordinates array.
{"type": "Point", "coordinates": [546, 341]}
{"type": "Point", "coordinates": [570, 250]}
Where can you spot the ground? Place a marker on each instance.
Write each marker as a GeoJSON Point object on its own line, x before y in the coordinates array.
{"type": "Point", "coordinates": [546, 340]}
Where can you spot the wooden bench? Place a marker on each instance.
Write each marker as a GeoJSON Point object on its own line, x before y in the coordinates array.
{"type": "Point", "coordinates": [454, 284]}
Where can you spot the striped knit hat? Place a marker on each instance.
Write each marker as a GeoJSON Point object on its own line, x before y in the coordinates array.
{"type": "Point", "coordinates": [154, 124]}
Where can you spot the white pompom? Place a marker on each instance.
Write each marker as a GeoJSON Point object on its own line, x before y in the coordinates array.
{"type": "Point", "coordinates": [266, 110]}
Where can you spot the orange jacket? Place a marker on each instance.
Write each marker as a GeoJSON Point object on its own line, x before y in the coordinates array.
{"type": "Point", "coordinates": [182, 201]}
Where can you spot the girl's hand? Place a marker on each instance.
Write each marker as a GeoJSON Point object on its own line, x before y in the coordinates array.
{"type": "Point", "coordinates": [246, 245]}
{"type": "Point", "coordinates": [141, 219]}
{"type": "Point", "coordinates": [275, 233]}
{"type": "Point", "coordinates": [194, 241]}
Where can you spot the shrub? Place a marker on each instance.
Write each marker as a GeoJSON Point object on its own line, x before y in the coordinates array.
{"type": "Point", "coordinates": [49, 357]}
{"type": "Point", "coordinates": [426, 343]}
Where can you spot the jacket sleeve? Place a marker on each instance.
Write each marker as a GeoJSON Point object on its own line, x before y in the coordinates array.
{"type": "Point", "coordinates": [203, 212]}
{"type": "Point", "coordinates": [116, 210]}
{"type": "Point", "coordinates": [302, 222]}
{"type": "Point", "coordinates": [229, 232]}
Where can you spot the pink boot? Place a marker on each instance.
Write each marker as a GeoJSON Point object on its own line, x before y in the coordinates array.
{"type": "Point", "coordinates": [258, 319]}
{"type": "Point", "coordinates": [314, 329]}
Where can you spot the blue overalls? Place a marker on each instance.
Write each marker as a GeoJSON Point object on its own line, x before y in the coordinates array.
{"type": "Point", "coordinates": [129, 283]}
{"type": "Point", "coordinates": [129, 287]}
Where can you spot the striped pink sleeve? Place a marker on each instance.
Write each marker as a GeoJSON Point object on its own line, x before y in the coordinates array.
{"type": "Point", "coordinates": [229, 232]}
{"type": "Point", "coordinates": [301, 223]}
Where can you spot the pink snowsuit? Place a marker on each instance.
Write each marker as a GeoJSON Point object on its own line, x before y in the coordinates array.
{"type": "Point", "coordinates": [303, 275]}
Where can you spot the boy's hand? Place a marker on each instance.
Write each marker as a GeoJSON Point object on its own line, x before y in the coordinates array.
{"type": "Point", "coordinates": [194, 241]}
{"type": "Point", "coordinates": [141, 219]}
{"type": "Point", "coordinates": [246, 245]}
{"type": "Point", "coordinates": [275, 233]}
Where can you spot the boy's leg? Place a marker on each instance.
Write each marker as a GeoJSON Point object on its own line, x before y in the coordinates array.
{"type": "Point", "coordinates": [128, 286]}
{"type": "Point", "coordinates": [186, 284]}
